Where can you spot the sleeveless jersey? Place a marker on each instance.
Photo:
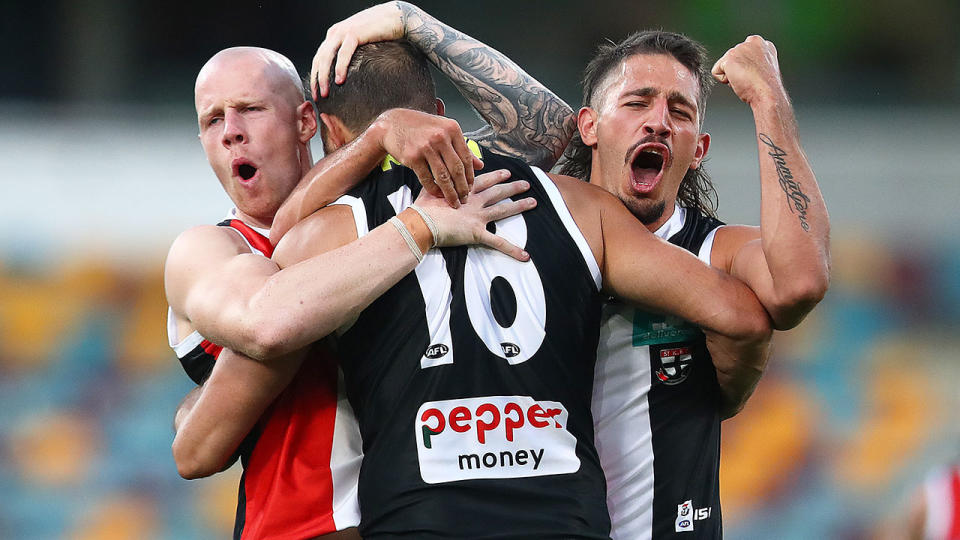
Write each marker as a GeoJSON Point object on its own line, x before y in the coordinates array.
{"type": "Point", "coordinates": [941, 493]}
{"type": "Point", "coordinates": [471, 378]}
{"type": "Point", "coordinates": [656, 404]}
{"type": "Point", "coordinates": [302, 459]}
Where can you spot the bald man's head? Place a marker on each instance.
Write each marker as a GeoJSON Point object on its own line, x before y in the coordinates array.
{"type": "Point", "coordinates": [273, 68]}
{"type": "Point", "coordinates": [255, 127]}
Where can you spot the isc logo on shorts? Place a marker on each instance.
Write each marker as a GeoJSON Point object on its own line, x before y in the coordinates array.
{"type": "Point", "coordinates": [493, 437]}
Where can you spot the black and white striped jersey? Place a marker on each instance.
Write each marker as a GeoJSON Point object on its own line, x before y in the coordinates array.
{"type": "Point", "coordinates": [656, 405]}
{"type": "Point", "coordinates": [471, 378]}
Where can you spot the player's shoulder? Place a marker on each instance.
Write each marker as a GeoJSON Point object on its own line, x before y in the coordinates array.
{"type": "Point", "coordinates": [585, 196]}
{"type": "Point", "coordinates": [199, 248]}
{"type": "Point", "coordinates": [728, 241]}
{"type": "Point", "coordinates": [328, 228]}
{"type": "Point", "coordinates": [207, 240]}
{"type": "Point", "coordinates": [587, 204]}
{"type": "Point", "coordinates": [194, 253]}
{"type": "Point", "coordinates": [733, 237]}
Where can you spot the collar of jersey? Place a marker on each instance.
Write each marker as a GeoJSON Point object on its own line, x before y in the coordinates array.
{"type": "Point", "coordinates": [674, 224]}
{"type": "Point", "coordinates": [232, 214]}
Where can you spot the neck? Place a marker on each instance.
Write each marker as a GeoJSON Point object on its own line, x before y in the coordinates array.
{"type": "Point", "coordinates": [668, 211]}
{"type": "Point", "coordinates": [305, 158]}
{"type": "Point", "coordinates": [254, 222]}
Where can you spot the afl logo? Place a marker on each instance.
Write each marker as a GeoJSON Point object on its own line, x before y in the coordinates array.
{"type": "Point", "coordinates": [510, 349]}
{"type": "Point", "coordinates": [674, 365]}
{"type": "Point", "coordinates": [437, 350]}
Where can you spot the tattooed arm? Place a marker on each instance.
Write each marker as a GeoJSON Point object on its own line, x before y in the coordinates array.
{"type": "Point", "coordinates": [524, 119]}
{"type": "Point", "coordinates": [788, 266]}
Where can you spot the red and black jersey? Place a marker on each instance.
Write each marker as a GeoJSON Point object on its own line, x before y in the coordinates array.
{"type": "Point", "coordinates": [302, 459]}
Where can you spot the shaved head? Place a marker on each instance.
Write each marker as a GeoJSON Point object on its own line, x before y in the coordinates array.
{"type": "Point", "coordinates": [255, 127]}
{"type": "Point", "coordinates": [271, 67]}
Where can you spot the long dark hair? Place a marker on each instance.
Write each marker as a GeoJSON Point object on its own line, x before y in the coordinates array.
{"type": "Point", "coordinates": [696, 188]}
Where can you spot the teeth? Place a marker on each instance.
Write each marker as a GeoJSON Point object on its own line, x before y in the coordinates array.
{"type": "Point", "coordinates": [656, 151]}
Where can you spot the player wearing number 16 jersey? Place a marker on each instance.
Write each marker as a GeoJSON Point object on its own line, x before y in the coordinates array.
{"type": "Point", "coordinates": [471, 377]}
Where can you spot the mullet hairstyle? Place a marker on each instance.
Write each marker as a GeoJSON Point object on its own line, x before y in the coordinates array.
{"type": "Point", "coordinates": [696, 188]}
{"type": "Point", "coordinates": [384, 75]}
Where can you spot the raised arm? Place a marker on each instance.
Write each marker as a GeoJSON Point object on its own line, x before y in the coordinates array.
{"type": "Point", "coordinates": [788, 267]}
{"type": "Point", "coordinates": [524, 118]}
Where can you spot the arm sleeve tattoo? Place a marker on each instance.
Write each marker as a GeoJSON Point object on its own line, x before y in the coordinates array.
{"type": "Point", "coordinates": [524, 119]}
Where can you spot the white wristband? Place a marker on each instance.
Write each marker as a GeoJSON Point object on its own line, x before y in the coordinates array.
{"type": "Point", "coordinates": [407, 237]}
{"type": "Point", "coordinates": [431, 224]}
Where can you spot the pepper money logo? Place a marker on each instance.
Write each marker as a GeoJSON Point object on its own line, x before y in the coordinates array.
{"type": "Point", "coordinates": [493, 437]}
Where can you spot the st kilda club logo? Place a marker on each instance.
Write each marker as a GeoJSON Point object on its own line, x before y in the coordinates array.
{"type": "Point", "coordinates": [672, 363]}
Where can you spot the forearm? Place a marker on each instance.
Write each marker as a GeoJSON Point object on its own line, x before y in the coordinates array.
{"type": "Point", "coordinates": [212, 424]}
{"type": "Point", "coordinates": [794, 225]}
{"type": "Point", "coordinates": [525, 118]}
{"type": "Point", "coordinates": [330, 178]}
{"type": "Point", "coordinates": [314, 294]}
{"type": "Point", "coordinates": [727, 307]}
{"type": "Point", "coordinates": [186, 405]}
{"type": "Point", "coordinates": [739, 366]}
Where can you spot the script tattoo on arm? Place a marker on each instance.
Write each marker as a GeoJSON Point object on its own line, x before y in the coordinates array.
{"type": "Point", "coordinates": [524, 119]}
{"type": "Point", "coordinates": [797, 201]}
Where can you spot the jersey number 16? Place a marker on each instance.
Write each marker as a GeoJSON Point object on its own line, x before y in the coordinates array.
{"type": "Point", "coordinates": [512, 335]}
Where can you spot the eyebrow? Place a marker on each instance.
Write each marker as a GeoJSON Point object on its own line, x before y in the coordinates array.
{"type": "Point", "coordinates": [217, 108]}
{"type": "Point", "coordinates": [649, 91]}
{"type": "Point", "coordinates": [206, 114]}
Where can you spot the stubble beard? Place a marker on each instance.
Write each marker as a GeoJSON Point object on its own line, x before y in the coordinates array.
{"type": "Point", "coordinates": [646, 211]}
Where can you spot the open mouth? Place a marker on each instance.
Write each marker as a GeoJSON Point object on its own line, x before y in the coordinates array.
{"type": "Point", "coordinates": [244, 169]}
{"type": "Point", "coordinates": [647, 166]}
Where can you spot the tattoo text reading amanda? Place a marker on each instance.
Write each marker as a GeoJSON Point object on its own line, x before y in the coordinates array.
{"type": "Point", "coordinates": [791, 188]}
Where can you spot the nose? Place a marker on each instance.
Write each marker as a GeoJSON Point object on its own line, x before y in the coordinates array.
{"type": "Point", "coordinates": [658, 120]}
{"type": "Point", "coordinates": [233, 129]}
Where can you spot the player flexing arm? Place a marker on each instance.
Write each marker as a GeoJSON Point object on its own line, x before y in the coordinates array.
{"type": "Point", "coordinates": [645, 95]}
{"type": "Point", "coordinates": [786, 261]}
{"type": "Point", "coordinates": [524, 118]}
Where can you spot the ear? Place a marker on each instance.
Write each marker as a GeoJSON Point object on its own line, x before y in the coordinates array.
{"type": "Point", "coordinates": [306, 121]}
{"type": "Point", "coordinates": [587, 124]}
{"type": "Point", "coordinates": [440, 107]}
{"type": "Point", "coordinates": [703, 144]}
{"type": "Point", "coordinates": [336, 133]}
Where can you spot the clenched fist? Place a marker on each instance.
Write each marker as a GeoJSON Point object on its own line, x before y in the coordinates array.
{"type": "Point", "coordinates": [752, 71]}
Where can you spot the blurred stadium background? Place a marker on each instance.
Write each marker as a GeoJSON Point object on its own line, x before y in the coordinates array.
{"type": "Point", "coordinates": [102, 169]}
